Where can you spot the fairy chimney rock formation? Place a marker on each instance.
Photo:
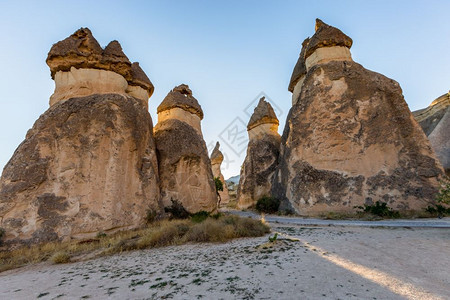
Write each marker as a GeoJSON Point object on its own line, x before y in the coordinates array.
{"type": "Point", "coordinates": [184, 165]}
{"type": "Point", "coordinates": [80, 67]}
{"type": "Point", "coordinates": [327, 44]}
{"type": "Point", "coordinates": [435, 122]}
{"type": "Point", "coordinates": [89, 163]}
{"type": "Point", "coordinates": [351, 140]}
{"type": "Point", "coordinates": [216, 162]}
{"type": "Point", "coordinates": [298, 74]}
{"type": "Point", "coordinates": [262, 156]}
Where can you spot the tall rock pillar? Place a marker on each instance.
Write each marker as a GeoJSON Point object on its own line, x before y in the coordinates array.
{"type": "Point", "coordinates": [350, 139]}
{"type": "Point", "coordinates": [89, 162]}
{"type": "Point", "coordinates": [261, 161]}
{"type": "Point", "coordinates": [184, 164]}
{"type": "Point", "coordinates": [216, 162]}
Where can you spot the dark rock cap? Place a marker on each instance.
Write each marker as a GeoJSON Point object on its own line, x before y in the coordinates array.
{"type": "Point", "coordinates": [262, 114]}
{"type": "Point", "coordinates": [181, 97]}
{"type": "Point", "coordinates": [327, 36]}
{"type": "Point", "coordinates": [81, 50]}
{"type": "Point", "coordinates": [139, 78]}
{"type": "Point", "coordinates": [216, 155]}
{"type": "Point", "coordinates": [300, 67]}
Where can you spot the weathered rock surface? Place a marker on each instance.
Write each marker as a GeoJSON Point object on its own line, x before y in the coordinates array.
{"type": "Point", "coordinates": [184, 165]}
{"type": "Point", "coordinates": [261, 161]}
{"type": "Point", "coordinates": [216, 162]}
{"type": "Point", "coordinates": [298, 74]}
{"type": "Point", "coordinates": [80, 67]}
{"type": "Point", "coordinates": [351, 140]}
{"type": "Point", "coordinates": [87, 165]}
{"type": "Point", "coordinates": [435, 122]}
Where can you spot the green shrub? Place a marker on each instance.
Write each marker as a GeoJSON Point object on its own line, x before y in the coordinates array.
{"type": "Point", "coordinates": [444, 193]}
{"type": "Point", "coordinates": [2, 235]}
{"type": "Point", "coordinates": [380, 209]}
{"type": "Point", "coordinates": [101, 234]}
{"type": "Point", "coordinates": [151, 216]}
{"type": "Point", "coordinates": [176, 210]}
{"type": "Point", "coordinates": [219, 184]}
{"type": "Point", "coordinates": [199, 216]}
{"type": "Point", "coordinates": [267, 204]}
{"type": "Point", "coordinates": [438, 210]}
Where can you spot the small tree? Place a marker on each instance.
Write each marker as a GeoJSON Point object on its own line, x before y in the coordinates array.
{"type": "Point", "coordinates": [219, 188]}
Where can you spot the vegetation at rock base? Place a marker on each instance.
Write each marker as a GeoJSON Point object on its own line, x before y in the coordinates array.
{"type": "Point", "coordinates": [2, 234]}
{"type": "Point", "coordinates": [176, 210]}
{"type": "Point", "coordinates": [444, 193]}
{"type": "Point", "coordinates": [267, 204]}
{"type": "Point", "coordinates": [215, 228]}
{"type": "Point", "coordinates": [380, 209]}
{"type": "Point", "coordinates": [219, 184]}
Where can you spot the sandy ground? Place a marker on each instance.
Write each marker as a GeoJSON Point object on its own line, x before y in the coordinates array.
{"type": "Point", "coordinates": [326, 263]}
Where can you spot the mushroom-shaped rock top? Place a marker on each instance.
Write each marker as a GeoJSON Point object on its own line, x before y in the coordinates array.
{"type": "Point", "coordinates": [327, 36]}
{"type": "Point", "coordinates": [300, 67]}
{"type": "Point", "coordinates": [81, 50]}
{"type": "Point", "coordinates": [216, 155]}
{"type": "Point", "coordinates": [181, 97]}
{"type": "Point", "coordinates": [263, 114]}
{"type": "Point", "coordinates": [139, 78]}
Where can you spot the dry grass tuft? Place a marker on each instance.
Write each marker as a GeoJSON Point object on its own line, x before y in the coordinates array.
{"type": "Point", "coordinates": [219, 228]}
{"type": "Point", "coordinates": [60, 258]}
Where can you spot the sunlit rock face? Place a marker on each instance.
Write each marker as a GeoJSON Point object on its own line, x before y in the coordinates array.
{"type": "Point", "coordinates": [89, 163]}
{"type": "Point", "coordinates": [298, 74]}
{"type": "Point", "coordinates": [184, 165]}
{"type": "Point", "coordinates": [216, 162]}
{"type": "Point", "coordinates": [435, 122]}
{"type": "Point", "coordinates": [80, 67]}
{"type": "Point", "coordinates": [261, 161]}
{"type": "Point", "coordinates": [351, 139]}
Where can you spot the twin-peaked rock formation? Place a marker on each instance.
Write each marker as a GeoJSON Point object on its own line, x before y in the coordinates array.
{"type": "Point", "coordinates": [184, 165]}
{"type": "Point", "coordinates": [261, 161]}
{"type": "Point", "coordinates": [216, 162]}
{"type": "Point", "coordinates": [350, 138]}
{"type": "Point", "coordinates": [435, 122]}
{"type": "Point", "coordinates": [89, 163]}
{"type": "Point", "coordinates": [80, 67]}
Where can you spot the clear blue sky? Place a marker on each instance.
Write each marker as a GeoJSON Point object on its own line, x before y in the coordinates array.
{"type": "Point", "coordinates": [227, 51]}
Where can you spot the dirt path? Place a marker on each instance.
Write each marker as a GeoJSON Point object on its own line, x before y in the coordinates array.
{"type": "Point", "coordinates": [326, 263]}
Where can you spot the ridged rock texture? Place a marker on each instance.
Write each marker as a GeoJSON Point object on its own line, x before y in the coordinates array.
{"type": "Point", "coordinates": [216, 162]}
{"type": "Point", "coordinates": [89, 163]}
{"type": "Point", "coordinates": [261, 161]}
{"type": "Point", "coordinates": [435, 122]}
{"type": "Point", "coordinates": [350, 139]}
{"type": "Point", "coordinates": [184, 165]}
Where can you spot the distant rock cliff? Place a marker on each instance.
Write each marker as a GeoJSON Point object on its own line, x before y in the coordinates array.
{"type": "Point", "coordinates": [435, 122]}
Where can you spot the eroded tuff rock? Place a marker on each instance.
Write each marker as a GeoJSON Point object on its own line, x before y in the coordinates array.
{"type": "Point", "coordinates": [216, 162]}
{"type": "Point", "coordinates": [87, 165]}
{"type": "Point", "coordinates": [80, 67]}
{"type": "Point", "coordinates": [351, 140]}
{"type": "Point", "coordinates": [184, 165]}
{"type": "Point", "coordinates": [298, 74]}
{"type": "Point", "coordinates": [261, 161]}
{"type": "Point", "coordinates": [435, 122]}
